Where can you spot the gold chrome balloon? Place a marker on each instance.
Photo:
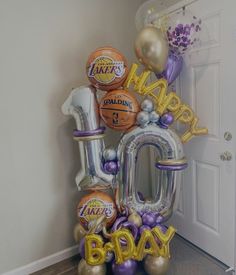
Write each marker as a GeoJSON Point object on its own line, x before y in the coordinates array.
{"type": "Point", "coordinates": [86, 269]}
{"type": "Point", "coordinates": [151, 48]}
{"type": "Point", "coordinates": [135, 218]}
{"type": "Point", "coordinates": [79, 232]}
{"type": "Point", "coordinates": [156, 265]}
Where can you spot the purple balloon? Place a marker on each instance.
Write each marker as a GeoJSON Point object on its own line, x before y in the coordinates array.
{"type": "Point", "coordinates": [144, 227]}
{"type": "Point", "coordinates": [166, 120]}
{"type": "Point", "coordinates": [132, 227]}
{"type": "Point", "coordinates": [128, 267]}
{"type": "Point", "coordinates": [118, 223]}
{"type": "Point", "coordinates": [111, 167]}
{"type": "Point", "coordinates": [82, 248]}
{"type": "Point", "coordinates": [159, 219]}
{"type": "Point", "coordinates": [149, 219]}
{"type": "Point", "coordinates": [173, 68]}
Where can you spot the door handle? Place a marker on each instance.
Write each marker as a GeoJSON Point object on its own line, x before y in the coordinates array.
{"type": "Point", "coordinates": [226, 156]}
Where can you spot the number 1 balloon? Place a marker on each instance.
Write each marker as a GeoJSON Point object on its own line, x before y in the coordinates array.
{"type": "Point", "coordinates": [82, 105]}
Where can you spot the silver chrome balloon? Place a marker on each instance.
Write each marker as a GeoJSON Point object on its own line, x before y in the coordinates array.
{"type": "Point", "coordinates": [142, 119]}
{"type": "Point", "coordinates": [109, 154]}
{"type": "Point", "coordinates": [168, 147]}
{"type": "Point", "coordinates": [147, 105]}
{"type": "Point", "coordinates": [82, 105]}
{"type": "Point", "coordinates": [153, 116]}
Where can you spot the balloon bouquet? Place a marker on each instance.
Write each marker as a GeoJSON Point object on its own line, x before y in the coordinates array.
{"type": "Point", "coordinates": [118, 228]}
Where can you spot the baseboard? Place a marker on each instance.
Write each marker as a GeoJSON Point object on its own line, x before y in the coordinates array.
{"type": "Point", "coordinates": [44, 262]}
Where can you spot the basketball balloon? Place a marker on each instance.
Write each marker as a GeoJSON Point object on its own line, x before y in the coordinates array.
{"type": "Point", "coordinates": [118, 109]}
{"type": "Point", "coordinates": [94, 205]}
{"type": "Point", "coordinates": [107, 68]}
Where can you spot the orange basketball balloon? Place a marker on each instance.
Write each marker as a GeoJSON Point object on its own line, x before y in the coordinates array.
{"type": "Point", "coordinates": [118, 109]}
{"type": "Point", "coordinates": [94, 205]}
{"type": "Point", "coordinates": [107, 68]}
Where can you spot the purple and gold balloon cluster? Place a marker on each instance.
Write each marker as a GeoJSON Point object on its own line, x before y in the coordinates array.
{"type": "Point", "coordinates": [136, 223]}
{"type": "Point", "coordinates": [182, 36]}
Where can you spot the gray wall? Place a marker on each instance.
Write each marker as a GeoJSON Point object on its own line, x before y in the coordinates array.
{"type": "Point", "coordinates": [43, 51]}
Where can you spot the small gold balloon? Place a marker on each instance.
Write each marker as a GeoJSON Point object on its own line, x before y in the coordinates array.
{"type": "Point", "coordinates": [156, 265]}
{"type": "Point", "coordinates": [79, 232]}
{"type": "Point", "coordinates": [86, 269]}
{"type": "Point", "coordinates": [135, 218]}
{"type": "Point", "coordinates": [151, 48]}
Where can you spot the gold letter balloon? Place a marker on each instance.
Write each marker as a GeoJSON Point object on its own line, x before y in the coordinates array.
{"type": "Point", "coordinates": [96, 250]}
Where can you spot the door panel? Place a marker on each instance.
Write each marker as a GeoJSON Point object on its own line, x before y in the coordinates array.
{"type": "Point", "coordinates": [206, 210]}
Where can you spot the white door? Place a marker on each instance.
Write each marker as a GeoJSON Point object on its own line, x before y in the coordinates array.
{"type": "Point", "coordinates": [206, 212]}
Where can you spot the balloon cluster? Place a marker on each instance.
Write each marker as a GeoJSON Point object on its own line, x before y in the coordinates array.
{"type": "Point", "coordinates": [182, 30]}
{"type": "Point", "coordinates": [117, 226]}
{"type": "Point", "coordinates": [148, 115]}
{"type": "Point", "coordinates": [131, 238]}
{"type": "Point", "coordinates": [110, 161]}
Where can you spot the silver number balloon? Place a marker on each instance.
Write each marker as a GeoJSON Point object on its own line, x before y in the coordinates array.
{"type": "Point", "coordinates": [82, 105]}
{"type": "Point", "coordinates": [168, 147]}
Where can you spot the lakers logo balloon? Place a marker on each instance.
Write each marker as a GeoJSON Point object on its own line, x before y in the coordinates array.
{"type": "Point", "coordinates": [107, 68]}
{"type": "Point", "coordinates": [95, 205]}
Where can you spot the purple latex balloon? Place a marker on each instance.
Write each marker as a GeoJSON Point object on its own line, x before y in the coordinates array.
{"type": "Point", "coordinates": [118, 223]}
{"type": "Point", "coordinates": [82, 248]}
{"type": "Point", "coordinates": [159, 219]}
{"type": "Point", "coordinates": [144, 227]}
{"type": "Point", "coordinates": [149, 219]}
{"type": "Point", "coordinates": [133, 228]}
{"type": "Point", "coordinates": [166, 120]}
{"type": "Point", "coordinates": [111, 167]}
{"type": "Point", "coordinates": [173, 68]}
{"type": "Point", "coordinates": [128, 267]}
